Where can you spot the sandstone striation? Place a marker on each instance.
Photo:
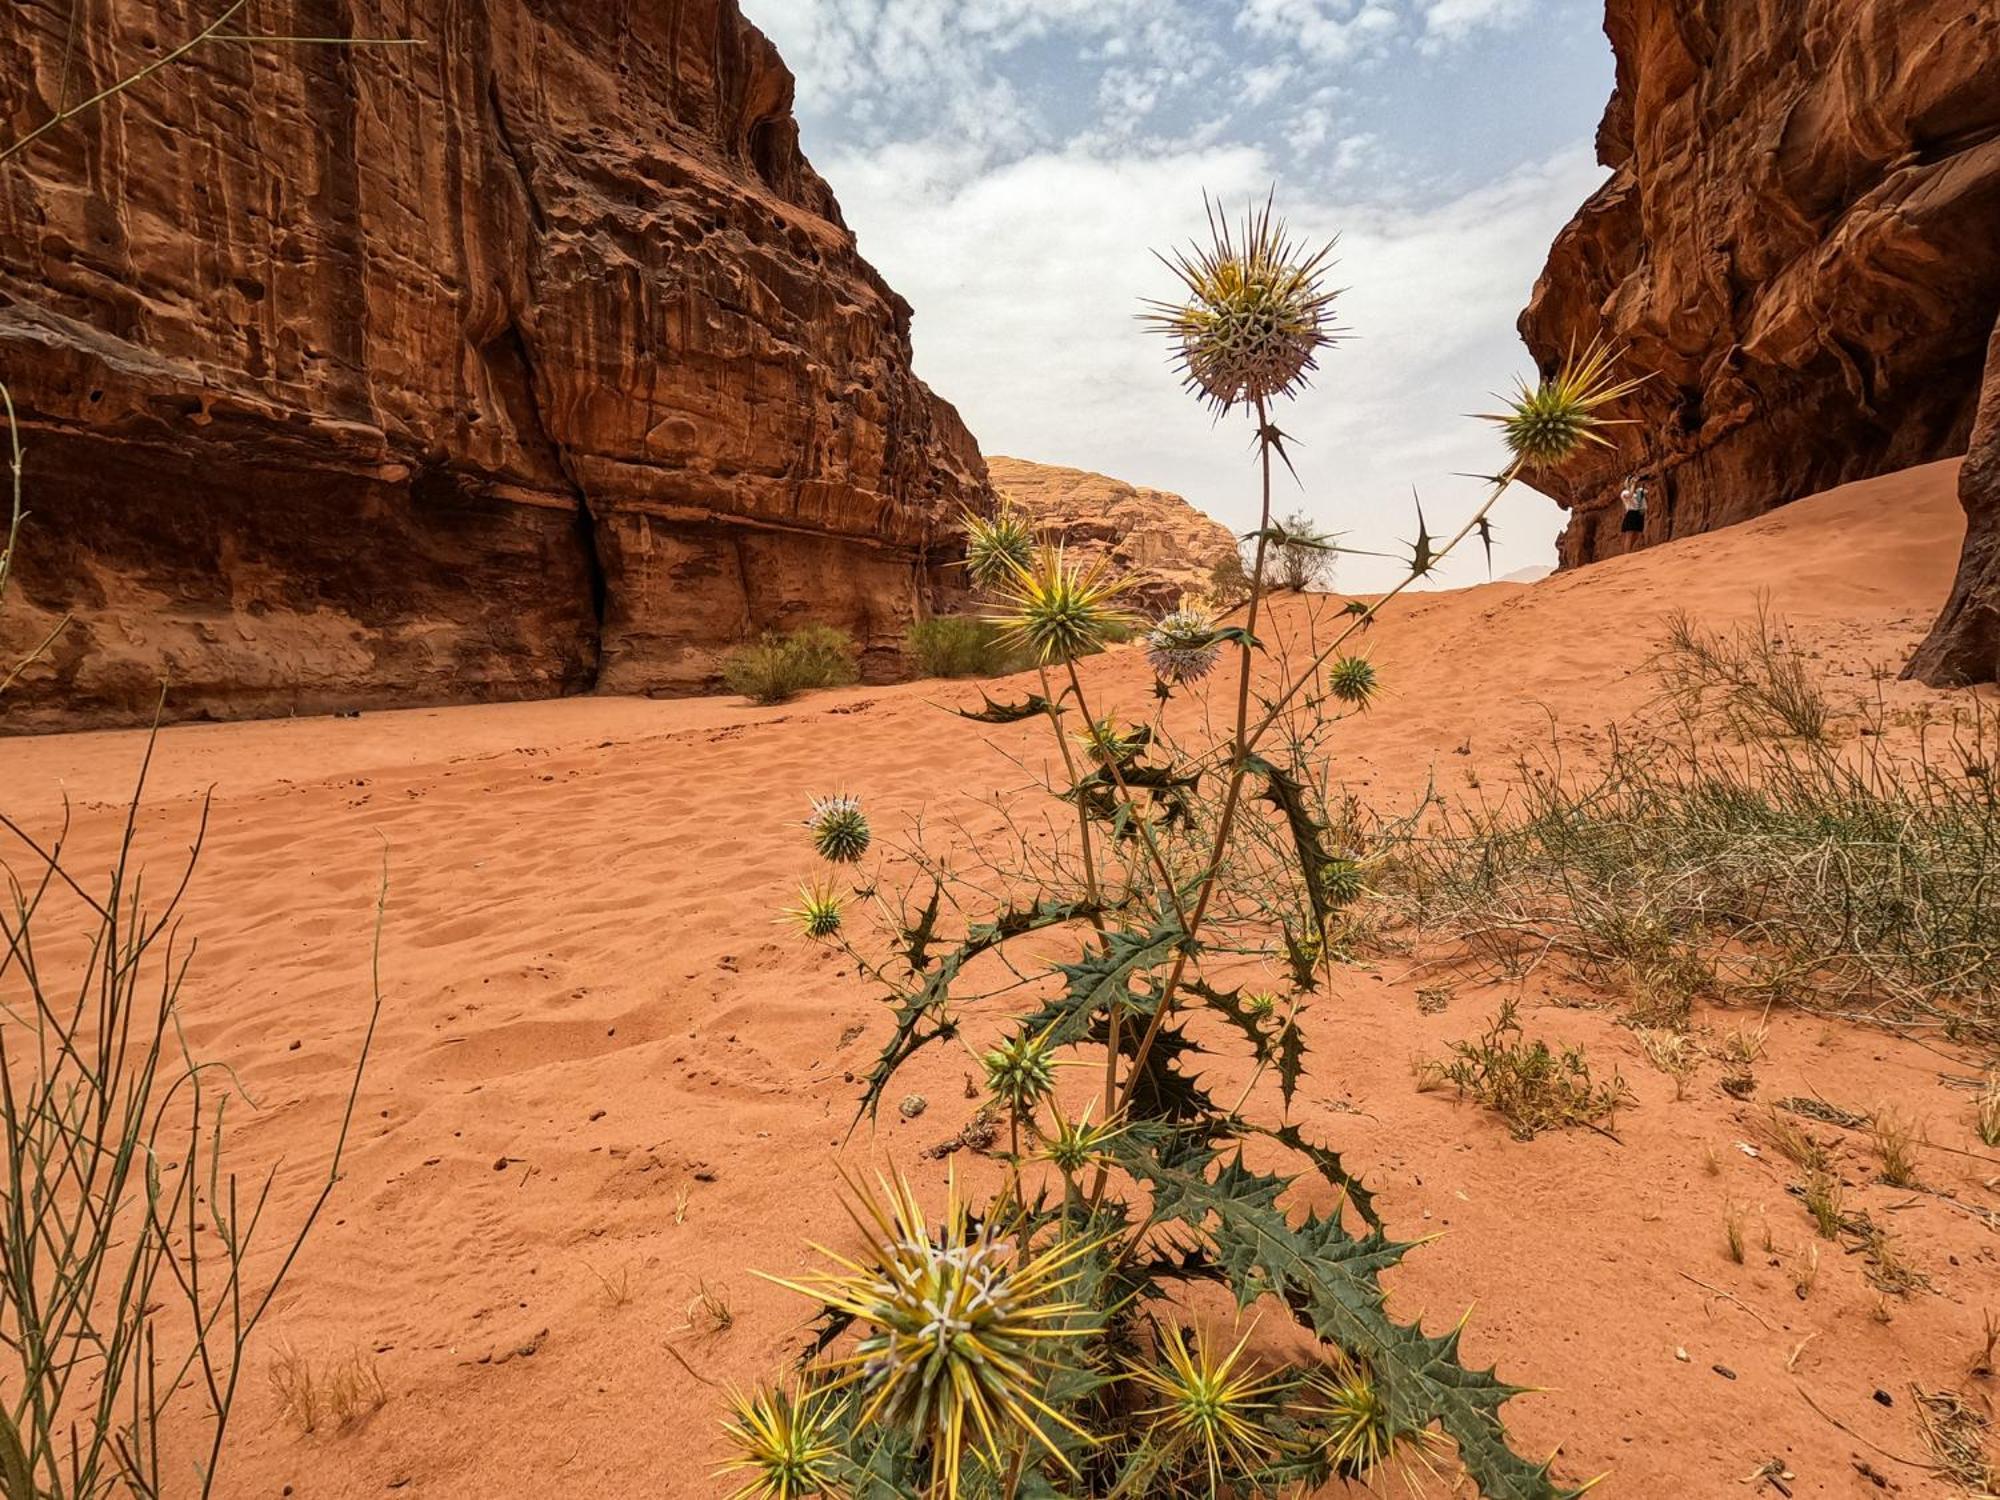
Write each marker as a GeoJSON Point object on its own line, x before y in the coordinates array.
{"type": "Point", "coordinates": [1162, 543]}
{"type": "Point", "coordinates": [1798, 238]}
{"type": "Point", "coordinates": [529, 359]}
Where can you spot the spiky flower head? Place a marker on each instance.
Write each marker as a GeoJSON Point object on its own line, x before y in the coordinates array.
{"type": "Point", "coordinates": [787, 1442]}
{"type": "Point", "coordinates": [1181, 647]}
{"type": "Point", "coordinates": [1352, 679]}
{"type": "Point", "coordinates": [1106, 744]}
{"type": "Point", "coordinates": [818, 913]}
{"type": "Point", "coordinates": [839, 828]}
{"type": "Point", "coordinates": [962, 1326]}
{"type": "Point", "coordinates": [1059, 610]}
{"type": "Point", "coordinates": [1347, 1410]}
{"type": "Point", "coordinates": [1340, 881]}
{"type": "Point", "coordinates": [1021, 1071]}
{"type": "Point", "coordinates": [1211, 1404]}
{"type": "Point", "coordinates": [1261, 1004]}
{"type": "Point", "coordinates": [1075, 1146]}
{"type": "Point", "coordinates": [1548, 424]}
{"type": "Point", "coordinates": [995, 545]}
{"type": "Point", "coordinates": [1257, 311]}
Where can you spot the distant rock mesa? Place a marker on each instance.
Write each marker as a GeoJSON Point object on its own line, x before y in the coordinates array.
{"type": "Point", "coordinates": [1801, 238]}
{"type": "Point", "coordinates": [1156, 539]}
{"type": "Point", "coordinates": [532, 359]}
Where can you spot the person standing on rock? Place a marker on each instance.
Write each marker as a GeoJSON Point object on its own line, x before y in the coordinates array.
{"type": "Point", "coordinates": [1633, 497]}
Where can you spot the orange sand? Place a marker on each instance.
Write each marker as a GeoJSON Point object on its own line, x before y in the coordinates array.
{"type": "Point", "coordinates": [600, 1061]}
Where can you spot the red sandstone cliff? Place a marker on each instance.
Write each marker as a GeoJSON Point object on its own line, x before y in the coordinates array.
{"type": "Point", "coordinates": [1801, 236]}
{"type": "Point", "coordinates": [1166, 547]}
{"type": "Point", "coordinates": [531, 358]}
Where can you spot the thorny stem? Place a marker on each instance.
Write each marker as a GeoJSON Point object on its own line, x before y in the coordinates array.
{"type": "Point", "coordinates": [1090, 886]}
{"type": "Point", "coordinates": [1247, 739]}
{"type": "Point", "coordinates": [1239, 765]}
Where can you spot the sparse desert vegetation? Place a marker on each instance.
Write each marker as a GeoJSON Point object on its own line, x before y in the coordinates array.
{"type": "Point", "coordinates": [778, 667]}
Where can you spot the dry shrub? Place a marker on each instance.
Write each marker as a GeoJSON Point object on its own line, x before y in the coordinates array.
{"type": "Point", "coordinates": [326, 1395]}
{"type": "Point", "coordinates": [778, 668]}
{"type": "Point", "coordinates": [1530, 1086]}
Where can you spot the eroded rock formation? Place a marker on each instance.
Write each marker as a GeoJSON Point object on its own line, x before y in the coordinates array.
{"type": "Point", "coordinates": [1166, 546]}
{"type": "Point", "coordinates": [1800, 238]}
{"type": "Point", "coordinates": [1964, 646]}
{"type": "Point", "coordinates": [530, 358]}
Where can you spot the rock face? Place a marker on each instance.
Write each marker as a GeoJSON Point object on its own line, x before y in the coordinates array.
{"type": "Point", "coordinates": [1964, 646]}
{"type": "Point", "coordinates": [1800, 238]}
{"type": "Point", "coordinates": [1161, 542]}
{"type": "Point", "coordinates": [525, 360]}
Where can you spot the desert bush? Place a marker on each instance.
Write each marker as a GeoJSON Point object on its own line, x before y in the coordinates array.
{"type": "Point", "coordinates": [1528, 1084]}
{"type": "Point", "coordinates": [1040, 1342]}
{"type": "Point", "coordinates": [1229, 582]}
{"type": "Point", "coordinates": [961, 646]}
{"type": "Point", "coordinates": [1739, 852]}
{"type": "Point", "coordinates": [1301, 555]}
{"type": "Point", "coordinates": [326, 1394]}
{"type": "Point", "coordinates": [777, 668]}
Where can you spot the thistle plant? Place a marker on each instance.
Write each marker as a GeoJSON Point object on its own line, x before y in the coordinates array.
{"type": "Point", "coordinates": [819, 912]}
{"type": "Point", "coordinates": [1214, 1405]}
{"type": "Point", "coordinates": [839, 828]}
{"type": "Point", "coordinates": [994, 1352]}
{"type": "Point", "coordinates": [997, 545]}
{"type": "Point", "coordinates": [963, 1328]}
{"type": "Point", "coordinates": [1183, 646]}
{"type": "Point", "coordinates": [788, 1443]}
{"type": "Point", "coordinates": [1059, 610]}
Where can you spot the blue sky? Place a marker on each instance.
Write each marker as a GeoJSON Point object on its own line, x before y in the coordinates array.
{"type": "Point", "coordinates": [1010, 165]}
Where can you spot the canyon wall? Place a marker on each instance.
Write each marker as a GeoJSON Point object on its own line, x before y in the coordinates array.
{"type": "Point", "coordinates": [1800, 239]}
{"type": "Point", "coordinates": [1164, 546]}
{"type": "Point", "coordinates": [529, 358]}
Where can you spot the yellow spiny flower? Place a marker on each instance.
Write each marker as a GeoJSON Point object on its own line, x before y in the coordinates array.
{"type": "Point", "coordinates": [1209, 1404]}
{"type": "Point", "coordinates": [1256, 314]}
{"type": "Point", "coordinates": [1077, 1145]}
{"type": "Point", "coordinates": [786, 1440]}
{"type": "Point", "coordinates": [1058, 610]}
{"type": "Point", "coordinates": [1349, 1411]}
{"type": "Point", "coordinates": [962, 1326]}
{"type": "Point", "coordinates": [1548, 424]}
{"type": "Point", "coordinates": [995, 545]}
{"type": "Point", "coordinates": [818, 913]}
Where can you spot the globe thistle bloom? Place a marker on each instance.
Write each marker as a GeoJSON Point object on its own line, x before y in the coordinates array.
{"type": "Point", "coordinates": [1210, 1404]}
{"type": "Point", "coordinates": [1106, 744]}
{"type": "Point", "coordinates": [1352, 679]}
{"type": "Point", "coordinates": [1548, 424]}
{"type": "Point", "coordinates": [839, 828]}
{"type": "Point", "coordinates": [1256, 313]}
{"type": "Point", "coordinates": [1181, 646]}
{"type": "Point", "coordinates": [818, 914]}
{"type": "Point", "coordinates": [1021, 1071]}
{"type": "Point", "coordinates": [1340, 881]}
{"type": "Point", "coordinates": [1348, 1411]}
{"type": "Point", "coordinates": [1075, 1146]}
{"type": "Point", "coordinates": [996, 545]}
{"type": "Point", "coordinates": [962, 1326]}
{"type": "Point", "coordinates": [1059, 610]}
{"type": "Point", "coordinates": [1261, 1004]}
{"type": "Point", "coordinates": [787, 1442]}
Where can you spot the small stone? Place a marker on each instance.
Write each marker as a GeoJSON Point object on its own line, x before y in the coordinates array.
{"type": "Point", "coordinates": [912, 1106]}
{"type": "Point", "coordinates": [597, 1114]}
{"type": "Point", "coordinates": [1724, 1371]}
{"type": "Point", "coordinates": [1680, 1354]}
{"type": "Point", "coordinates": [1885, 1398]}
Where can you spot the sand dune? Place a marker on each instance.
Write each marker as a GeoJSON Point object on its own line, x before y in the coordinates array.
{"type": "Point", "coordinates": [605, 1081]}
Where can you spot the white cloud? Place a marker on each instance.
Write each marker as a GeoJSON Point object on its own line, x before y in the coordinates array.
{"type": "Point", "coordinates": [1454, 20]}
{"type": "Point", "coordinates": [1027, 279]}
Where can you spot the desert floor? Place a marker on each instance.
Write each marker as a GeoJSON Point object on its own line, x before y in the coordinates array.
{"type": "Point", "coordinates": [606, 1085]}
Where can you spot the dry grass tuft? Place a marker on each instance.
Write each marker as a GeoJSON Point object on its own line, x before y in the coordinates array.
{"type": "Point", "coordinates": [1825, 1198]}
{"type": "Point", "coordinates": [1784, 1135]}
{"type": "Point", "coordinates": [1955, 1432]}
{"type": "Point", "coordinates": [326, 1395]}
{"type": "Point", "coordinates": [1804, 1271]}
{"type": "Point", "coordinates": [1732, 1232]}
{"type": "Point", "coordinates": [1986, 1112]}
{"type": "Point", "coordinates": [1896, 1142]}
{"type": "Point", "coordinates": [1672, 1052]}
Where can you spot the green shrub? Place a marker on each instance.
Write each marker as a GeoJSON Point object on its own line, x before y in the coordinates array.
{"type": "Point", "coordinates": [779, 667]}
{"type": "Point", "coordinates": [962, 646]}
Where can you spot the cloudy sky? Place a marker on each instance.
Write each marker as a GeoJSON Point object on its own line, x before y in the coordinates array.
{"type": "Point", "coordinates": [1010, 165]}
